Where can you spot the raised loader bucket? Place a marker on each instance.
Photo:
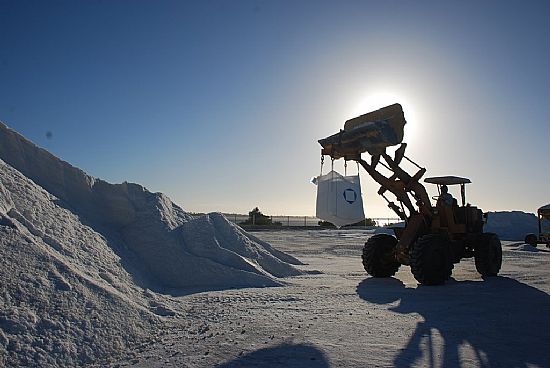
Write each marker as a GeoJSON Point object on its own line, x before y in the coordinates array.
{"type": "Point", "coordinates": [371, 132]}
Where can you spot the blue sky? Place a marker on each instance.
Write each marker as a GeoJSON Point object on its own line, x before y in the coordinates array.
{"type": "Point", "coordinates": [220, 104]}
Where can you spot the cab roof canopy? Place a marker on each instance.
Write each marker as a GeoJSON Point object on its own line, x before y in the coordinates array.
{"type": "Point", "coordinates": [545, 209]}
{"type": "Point", "coordinates": [447, 180]}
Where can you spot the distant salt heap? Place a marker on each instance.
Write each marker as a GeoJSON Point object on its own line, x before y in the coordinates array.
{"type": "Point", "coordinates": [511, 225]}
{"type": "Point", "coordinates": [77, 255]}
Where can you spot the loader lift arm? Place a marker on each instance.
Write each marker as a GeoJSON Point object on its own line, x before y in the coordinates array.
{"type": "Point", "coordinates": [372, 133]}
{"type": "Point", "coordinates": [400, 184]}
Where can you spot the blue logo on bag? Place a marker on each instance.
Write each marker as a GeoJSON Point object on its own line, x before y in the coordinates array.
{"type": "Point", "coordinates": [350, 195]}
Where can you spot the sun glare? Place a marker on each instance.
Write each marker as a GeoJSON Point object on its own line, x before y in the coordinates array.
{"type": "Point", "coordinates": [376, 101]}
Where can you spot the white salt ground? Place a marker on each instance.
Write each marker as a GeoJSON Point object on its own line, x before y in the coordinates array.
{"type": "Point", "coordinates": [344, 318]}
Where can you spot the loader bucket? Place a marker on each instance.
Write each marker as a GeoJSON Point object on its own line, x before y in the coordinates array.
{"type": "Point", "coordinates": [371, 132]}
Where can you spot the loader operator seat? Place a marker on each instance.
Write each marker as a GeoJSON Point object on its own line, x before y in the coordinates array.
{"type": "Point", "coordinates": [447, 204]}
{"type": "Point", "coordinates": [445, 198]}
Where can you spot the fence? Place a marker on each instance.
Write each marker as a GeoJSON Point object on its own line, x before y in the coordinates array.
{"type": "Point", "coordinates": [300, 221]}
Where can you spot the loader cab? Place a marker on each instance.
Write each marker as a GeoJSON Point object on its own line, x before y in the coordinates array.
{"type": "Point", "coordinates": [459, 218]}
{"type": "Point", "coordinates": [449, 181]}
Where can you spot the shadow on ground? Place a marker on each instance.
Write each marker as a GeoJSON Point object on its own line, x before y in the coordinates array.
{"type": "Point", "coordinates": [285, 355]}
{"type": "Point", "coordinates": [505, 322]}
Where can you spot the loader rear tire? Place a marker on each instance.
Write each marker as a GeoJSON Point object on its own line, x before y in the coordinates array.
{"type": "Point", "coordinates": [378, 258]}
{"type": "Point", "coordinates": [431, 259]}
{"type": "Point", "coordinates": [488, 255]}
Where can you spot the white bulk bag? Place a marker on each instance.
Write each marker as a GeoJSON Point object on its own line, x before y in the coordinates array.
{"type": "Point", "coordinates": [339, 199]}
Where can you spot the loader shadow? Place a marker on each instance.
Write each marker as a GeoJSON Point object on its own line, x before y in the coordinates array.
{"type": "Point", "coordinates": [503, 321]}
{"type": "Point", "coordinates": [284, 355]}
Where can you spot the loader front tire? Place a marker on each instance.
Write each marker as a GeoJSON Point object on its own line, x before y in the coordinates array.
{"type": "Point", "coordinates": [431, 259]}
{"type": "Point", "coordinates": [378, 257]}
{"type": "Point", "coordinates": [488, 255]}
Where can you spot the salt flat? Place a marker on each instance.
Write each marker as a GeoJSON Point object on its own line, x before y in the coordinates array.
{"type": "Point", "coordinates": [344, 318]}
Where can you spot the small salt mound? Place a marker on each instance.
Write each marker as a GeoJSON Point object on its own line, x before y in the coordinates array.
{"type": "Point", "coordinates": [526, 248]}
{"type": "Point", "coordinates": [212, 236]}
{"type": "Point", "coordinates": [389, 229]}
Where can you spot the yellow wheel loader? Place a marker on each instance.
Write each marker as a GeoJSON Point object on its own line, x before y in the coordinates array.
{"type": "Point", "coordinates": [435, 236]}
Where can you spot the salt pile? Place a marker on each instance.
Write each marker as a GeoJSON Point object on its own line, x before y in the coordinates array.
{"type": "Point", "coordinates": [526, 248]}
{"type": "Point", "coordinates": [78, 254]}
{"type": "Point", "coordinates": [511, 225]}
{"type": "Point", "coordinates": [508, 225]}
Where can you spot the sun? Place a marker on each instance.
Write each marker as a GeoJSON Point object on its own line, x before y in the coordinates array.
{"type": "Point", "coordinates": [377, 100]}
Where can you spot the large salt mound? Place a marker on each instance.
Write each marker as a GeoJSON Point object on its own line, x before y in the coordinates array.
{"type": "Point", "coordinates": [65, 297]}
{"type": "Point", "coordinates": [76, 254]}
{"type": "Point", "coordinates": [172, 248]}
{"type": "Point", "coordinates": [511, 225]}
